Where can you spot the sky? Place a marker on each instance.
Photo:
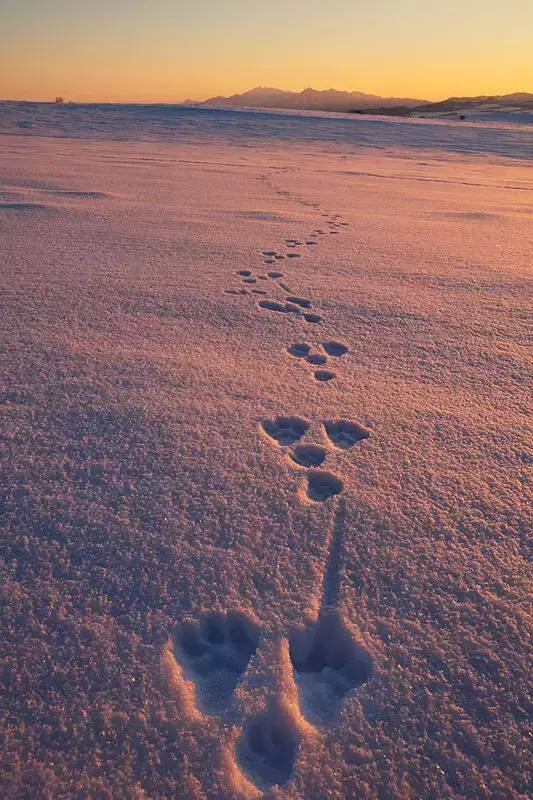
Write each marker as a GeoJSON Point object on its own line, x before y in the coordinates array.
{"type": "Point", "coordinates": [171, 50]}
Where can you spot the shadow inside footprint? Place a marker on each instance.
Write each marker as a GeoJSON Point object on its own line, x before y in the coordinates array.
{"type": "Point", "coordinates": [273, 305]}
{"type": "Point", "coordinates": [316, 358]}
{"type": "Point", "coordinates": [214, 653]}
{"type": "Point", "coordinates": [308, 455]}
{"type": "Point", "coordinates": [267, 747]}
{"type": "Point", "coordinates": [324, 375]}
{"type": "Point", "coordinates": [245, 273]}
{"type": "Point", "coordinates": [283, 308]}
{"type": "Point", "coordinates": [286, 430]}
{"type": "Point", "coordinates": [322, 485]}
{"type": "Point", "coordinates": [336, 349]}
{"type": "Point", "coordinates": [313, 318]}
{"type": "Point", "coordinates": [328, 663]}
{"type": "Point", "coordinates": [303, 302]}
{"type": "Point", "coordinates": [299, 349]}
{"type": "Point", "coordinates": [344, 434]}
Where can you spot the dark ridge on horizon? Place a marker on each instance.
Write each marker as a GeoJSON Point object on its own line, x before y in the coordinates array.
{"type": "Point", "coordinates": [360, 102]}
{"type": "Point", "coordinates": [518, 101]}
{"type": "Point", "coordinates": [308, 99]}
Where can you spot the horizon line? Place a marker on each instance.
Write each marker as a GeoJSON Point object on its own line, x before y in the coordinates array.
{"type": "Point", "coordinates": [188, 100]}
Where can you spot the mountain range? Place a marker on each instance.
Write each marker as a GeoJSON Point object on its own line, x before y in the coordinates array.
{"type": "Point", "coordinates": [310, 99]}
{"type": "Point", "coordinates": [334, 100]}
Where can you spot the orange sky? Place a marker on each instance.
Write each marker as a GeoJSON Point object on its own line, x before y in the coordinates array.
{"type": "Point", "coordinates": [168, 50]}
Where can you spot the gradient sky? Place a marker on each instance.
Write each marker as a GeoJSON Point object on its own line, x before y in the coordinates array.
{"type": "Point", "coordinates": [169, 50]}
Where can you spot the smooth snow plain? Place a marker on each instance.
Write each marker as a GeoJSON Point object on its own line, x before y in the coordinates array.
{"type": "Point", "coordinates": [264, 508]}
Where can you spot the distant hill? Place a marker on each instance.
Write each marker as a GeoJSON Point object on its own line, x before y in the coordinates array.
{"type": "Point", "coordinates": [310, 99]}
{"type": "Point", "coordinates": [456, 106]}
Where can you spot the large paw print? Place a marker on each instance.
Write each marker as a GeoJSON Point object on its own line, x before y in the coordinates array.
{"type": "Point", "coordinates": [214, 653]}
{"type": "Point", "coordinates": [344, 434]}
{"type": "Point", "coordinates": [267, 747]}
{"type": "Point", "coordinates": [328, 663]}
{"type": "Point", "coordinates": [286, 430]}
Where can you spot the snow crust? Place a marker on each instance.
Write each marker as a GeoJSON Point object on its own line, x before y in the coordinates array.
{"type": "Point", "coordinates": [223, 577]}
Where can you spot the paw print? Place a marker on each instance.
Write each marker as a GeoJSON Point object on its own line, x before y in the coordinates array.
{"type": "Point", "coordinates": [328, 663]}
{"type": "Point", "coordinates": [318, 357]}
{"type": "Point", "coordinates": [214, 652]}
{"type": "Point", "coordinates": [340, 433]}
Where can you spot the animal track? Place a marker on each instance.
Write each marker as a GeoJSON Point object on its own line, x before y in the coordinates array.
{"type": "Point", "coordinates": [322, 485]}
{"type": "Point", "coordinates": [324, 375]}
{"type": "Point", "coordinates": [299, 349]}
{"type": "Point", "coordinates": [308, 455]}
{"type": "Point", "coordinates": [303, 302]}
{"type": "Point", "coordinates": [344, 434]}
{"type": "Point", "coordinates": [215, 652]}
{"type": "Point", "coordinates": [335, 349]}
{"type": "Point", "coordinates": [327, 660]}
{"type": "Point", "coordinates": [303, 350]}
{"type": "Point", "coordinates": [284, 287]}
{"type": "Point", "coordinates": [286, 430]}
{"type": "Point", "coordinates": [267, 747]}
{"type": "Point", "coordinates": [316, 358]}
{"type": "Point", "coordinates": [284, 308]}
{"type": "Point", "coordinates": [328, 663]}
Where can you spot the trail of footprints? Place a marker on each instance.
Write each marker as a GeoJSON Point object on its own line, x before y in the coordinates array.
{"type": "Point", "coordinates": [293, 304]}
{"type": "Point", "coordinates": [327, 661]}
{"type": "Point", "coordinates": [339, 434]}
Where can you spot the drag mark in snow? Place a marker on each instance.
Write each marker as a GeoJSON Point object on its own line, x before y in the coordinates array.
{"type": "Point", "coordinates": [327, 658]}
{"type": "Point", "coordinates": [331, 578]}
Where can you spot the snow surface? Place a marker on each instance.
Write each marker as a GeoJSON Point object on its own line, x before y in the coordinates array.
{"type": "Point", "coordinates": [223, 575]}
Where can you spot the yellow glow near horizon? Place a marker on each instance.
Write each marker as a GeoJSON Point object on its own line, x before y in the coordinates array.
{"type": "Point", "coordinates": [168, 51]}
